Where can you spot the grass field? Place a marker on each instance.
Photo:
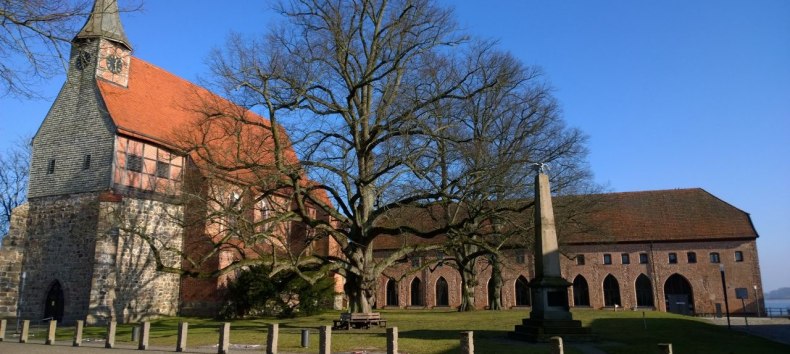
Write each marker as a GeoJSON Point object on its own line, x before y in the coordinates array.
{"type": "Point", "coordinates": [432, 331]}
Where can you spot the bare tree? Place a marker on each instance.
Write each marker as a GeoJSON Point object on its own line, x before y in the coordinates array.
{"type": "Point", "coordinates": [14, 173]}
{"type": "Point", "coordinates": [505, 128]}
{"type": "Point", "coordinates": [392, 112]}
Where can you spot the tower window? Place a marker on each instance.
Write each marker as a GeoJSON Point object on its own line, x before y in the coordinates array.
{"type": "Point", "coordinates": [86, 162]}
{"type": "Point", "coordinates": [51, 167]}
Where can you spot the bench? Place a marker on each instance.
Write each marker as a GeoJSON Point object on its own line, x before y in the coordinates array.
{"type": "Point", "coordinates": [358, 320]}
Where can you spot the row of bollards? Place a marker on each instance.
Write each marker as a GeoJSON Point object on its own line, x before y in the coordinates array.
{"type": "Point", "coordinates": [325, 334]}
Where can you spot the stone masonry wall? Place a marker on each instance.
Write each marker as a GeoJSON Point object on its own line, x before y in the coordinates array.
{"type": "Point", "coordinates": [125, 282]}
{"type": "Point", "coordinates": [60, 243]}
{"type": "Point", "coordinates": [11, 258]}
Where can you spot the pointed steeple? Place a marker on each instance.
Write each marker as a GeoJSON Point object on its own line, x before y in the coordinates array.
{"type": "Point", "coordinates": [104, 22]}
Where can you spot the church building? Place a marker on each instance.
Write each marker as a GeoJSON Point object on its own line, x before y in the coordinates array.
{"type": "Point", "coordinates": [109, 179]}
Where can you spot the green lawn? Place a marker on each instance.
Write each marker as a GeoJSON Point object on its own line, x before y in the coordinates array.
{"type": "Point", "coordinates": [432, 331]}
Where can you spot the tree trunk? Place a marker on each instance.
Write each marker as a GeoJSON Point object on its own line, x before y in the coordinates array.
{"type": "Point", "coordinates": [468, 283]}
{"type": "Point", "coordinates": [495, 301]}
{"type": "Point", "coordinates": [361, 292]}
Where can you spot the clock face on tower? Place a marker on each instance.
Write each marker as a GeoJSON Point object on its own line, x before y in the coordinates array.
{"type": "Point", "coordinates": [114, 64]}
{"type": "Point", "coordinates": [83, 59]}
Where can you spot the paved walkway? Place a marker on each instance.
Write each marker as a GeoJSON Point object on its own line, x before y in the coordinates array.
{"type": "Point", "coordinates": [775, 329]}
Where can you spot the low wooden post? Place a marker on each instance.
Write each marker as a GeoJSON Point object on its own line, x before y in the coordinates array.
{"type": "Point", "coordinates": [392, 340]}
{"type": "Point", "coordinates": [272, 337]}
{"type": "Point", "coordinates": [181, 344]}
{"type": "Point", "coordinates": [224, 339]}
{"type": "Point", "coordinates": [3, 325]}
{"type": "Point", "coordinates": [665, 348]}
{"type": "Point", "coordinates": [25, 331]}
{"type": "Point", "coordinates": [110, 343]}
{"type": "Point", "coordinates": [325, 340]}
{"type": "Point", "coordinates": [53, 326]}
{"type": "Point", "coordinates": [467, 342]}
{"type": "Point", "coordinates": [78, 333]}
{"type": "Point", "coordinates": [556, 345]}
{"type": "Point", "coordinates": [145, 330]}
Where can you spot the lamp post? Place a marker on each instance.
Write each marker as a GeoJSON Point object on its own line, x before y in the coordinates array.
{"type": "Point", "coordinates": [757, 300]}
{"type": "Point", "coordinates": [724, 288]}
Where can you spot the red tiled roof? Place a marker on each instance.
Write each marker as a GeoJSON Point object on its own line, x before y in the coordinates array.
{"type": "Point", "coordinates": [164, 109]}
{"type": "Point", "coordinates": [664, 215]}
{"type": "Point", "coordinates": [649, 216]}
{"type": "Point", "coordinates": [155, 105]}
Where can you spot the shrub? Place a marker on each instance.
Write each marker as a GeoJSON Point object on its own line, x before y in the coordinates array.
{"type": "Point", "coordinates": [286, 294]}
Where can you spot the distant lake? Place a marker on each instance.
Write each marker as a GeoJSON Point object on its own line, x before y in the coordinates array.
{"type": "Point", "coordinates": [781, 303]}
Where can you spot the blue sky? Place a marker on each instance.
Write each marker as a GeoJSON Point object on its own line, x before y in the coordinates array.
{"type": "Point", "coordinates": [673, 94]}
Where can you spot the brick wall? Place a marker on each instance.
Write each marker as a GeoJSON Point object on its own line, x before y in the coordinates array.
{"type": "Point", "coordinates": [703, 276]}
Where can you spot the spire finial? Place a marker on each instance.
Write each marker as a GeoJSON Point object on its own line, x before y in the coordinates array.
{"type": "Point", "coordinates": [104, 22]}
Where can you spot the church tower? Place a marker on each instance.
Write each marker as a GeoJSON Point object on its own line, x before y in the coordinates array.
{"type": "Point", "coordinates": [102, 44]}
{"type": "Point", "coordinates": [76, 260]}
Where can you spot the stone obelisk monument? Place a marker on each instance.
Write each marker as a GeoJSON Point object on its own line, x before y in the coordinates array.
{"type": "Point", "coordinates": [550, 315]}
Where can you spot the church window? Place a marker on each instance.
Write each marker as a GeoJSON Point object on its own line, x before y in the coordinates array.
{"type": "Point", "coordinates": [51, 167]}
{"type": "Point", "coordinates": [162, 169]}
{"type": "Point", "coordinates": [86, 162]}
{"type": "Point", "coordinates": [738, 256]}
{"type": "Point", "coordinates": [607, 258]}
{"type": "Point", "coordinates": [416, 292]}
{"type": "Point", "coordinates": [134, 163]}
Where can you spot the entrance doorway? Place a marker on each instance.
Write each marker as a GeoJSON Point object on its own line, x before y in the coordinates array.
{"type": "Point", "coordinates": [678, 295]}
{"type": "Point", "coordinates": [53, 307]}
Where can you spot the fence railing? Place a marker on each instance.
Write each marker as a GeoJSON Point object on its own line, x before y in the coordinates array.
{"type": "Point", "coordinates": [777, 312]}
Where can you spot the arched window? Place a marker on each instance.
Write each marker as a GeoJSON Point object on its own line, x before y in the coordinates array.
{"type": "Point", "coordinates": [392, 293]}
{"type": "Point", "coordinates": [611, 291]}
{"type": "Point", "coordinates": [416, 292]}
{"type": "Point", "coordinates": [644, 291]}
{"type": "Point", "coordinates": [522, 292]}
{"type": "Point", "coordinates": [442, 292]}
{"type": "Point", "coordinates": [581, 292]}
